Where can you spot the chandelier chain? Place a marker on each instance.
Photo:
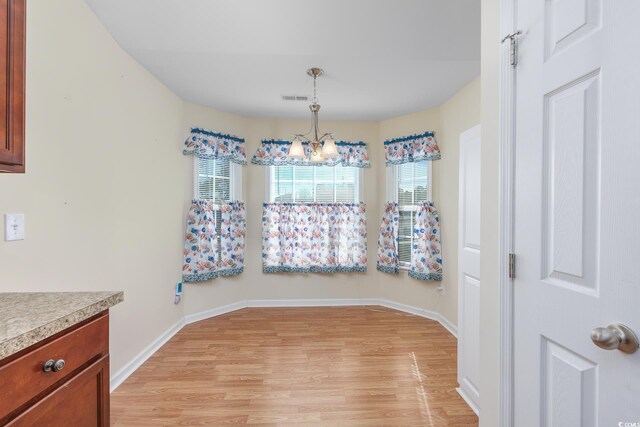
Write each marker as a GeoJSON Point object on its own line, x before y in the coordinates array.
{"type": "Point", "coordinates": [315, 96]}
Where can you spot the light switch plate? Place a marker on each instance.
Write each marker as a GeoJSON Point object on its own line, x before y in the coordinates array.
{"type": "Point", "coordinates": [13, 227]}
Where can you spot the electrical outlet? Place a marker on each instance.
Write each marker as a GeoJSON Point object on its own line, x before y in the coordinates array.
{"type": "Point", "coordinates": [440, 289]}
{"type": "Point", "coordinates": [13, 227]}
{"type": "Point", "coordinates": [178, 293]}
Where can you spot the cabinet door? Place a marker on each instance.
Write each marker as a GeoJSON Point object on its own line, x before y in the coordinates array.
{"type": "Point", "coordinates": [83, 401]}
{"type": "Point", "coordinates": [12, 85]}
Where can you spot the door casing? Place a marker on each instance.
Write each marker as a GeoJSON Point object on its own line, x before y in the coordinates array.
{"type": "Point", "coordinates": [507, 98]}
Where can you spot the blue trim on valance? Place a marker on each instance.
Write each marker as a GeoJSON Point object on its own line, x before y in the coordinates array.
{"type": "Point", "coordinates": [313, 269]}
{"type": "Point", "coordinates": [338, 143]}
{"type": "Point", "coordinates": [215, 156]}
{"type": "Point", "coordinates": [297, 162]}
{"type": "Point", "coordinates": [410, 137]}
{"type": "Point", "coordinates": [265, 204]}
{"type": "Point", "coordinates": [219, 135]}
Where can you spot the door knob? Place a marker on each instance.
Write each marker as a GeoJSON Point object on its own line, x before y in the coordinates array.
{"type": "Point", "coordinates": [615, 337]}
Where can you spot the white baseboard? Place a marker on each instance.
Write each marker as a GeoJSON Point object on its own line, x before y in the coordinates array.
{"type": "Point", "coordinates": [428, 314]}
{"type": "Point", "coordinates": [196, 317]}
{"type": "Point", "coordinates": [469, 401]}
{"type": "Point", "coordinates": [122, 374]}
{"type": "Point", "coordinates": [422, 312]}
{"type": "Point", "coordinates": [311, 302]}
{"type": "Point", "coordinates": [453, 329]}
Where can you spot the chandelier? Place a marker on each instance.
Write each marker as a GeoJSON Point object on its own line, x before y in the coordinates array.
{"type": "Point", "coordinates": [323, 145]}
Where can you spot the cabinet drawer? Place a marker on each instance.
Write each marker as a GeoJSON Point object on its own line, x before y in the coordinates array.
{"type": "Point", "coordinates": [83, 401]}
{"type": "Point", "coordinates": [24, 378]}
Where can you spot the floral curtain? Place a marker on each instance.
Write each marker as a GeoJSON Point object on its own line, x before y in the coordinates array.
{"type": "Point", "coordinates": [388, 239]}
{"type": "Point", "coordinates": [411, 149]}
{"type": "Point", "coordinates": [208, 255]}
{"type": "Point", "coordinates": [426, 256]}
{"type": "Point", "coordinates": [207, 144]}
{"type": "Point", "coordinates": [232, 234]}
{"type": "Point", "coordinates": [274, 153]}
{"type": "Point", "coordinates": [317, 237]}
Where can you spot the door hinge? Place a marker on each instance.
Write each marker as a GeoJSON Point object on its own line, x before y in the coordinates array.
{"type": "Point", "coordinates": [513, 46]}
{"type": "Point", "coordinates": [512, 266]}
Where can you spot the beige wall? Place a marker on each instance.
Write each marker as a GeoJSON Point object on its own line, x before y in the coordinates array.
{"type": "Point", "coordinates": [455, 116]}
{"type": "Point", "coordinates": [253, 284]}
{"type": "Point", "coordinates": [103, 187]}
{"type": "Point", "coordinates": [107, 188]}
{"type": "Point", "coordinates": [458, 114]}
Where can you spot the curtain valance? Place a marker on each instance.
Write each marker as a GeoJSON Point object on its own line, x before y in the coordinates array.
{"type": "Point", "coordinates": [412, 148]}
{"type": "Point", "coordinates": [274, 152]}
{"type": "Point", "coordinates": [314, 238]}
{"type": "Point", "coordinates": [208, 255]}
{"type": "Point", "coordinates": [426, 252]}
{"type": "Point", "coordinates": [207, 144]}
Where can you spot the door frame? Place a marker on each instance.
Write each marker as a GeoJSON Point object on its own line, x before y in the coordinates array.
{"type": "Point", "coordinates": [507, 99]}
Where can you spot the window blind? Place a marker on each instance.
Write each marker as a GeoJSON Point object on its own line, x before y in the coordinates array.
{"type": "Point", "coordinates": [303, 184]}
{"type": "Point", "coordinates": [412, 181]}
{"type": "Point", "coordinates": [214, 183]}
{"type": "Point", "coordinates": [214, 179]}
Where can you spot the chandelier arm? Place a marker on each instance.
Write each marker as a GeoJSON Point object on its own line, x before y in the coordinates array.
{"type": "Point", "coordinates": [311, 127]}
{"type": "Point", "coordinates": [324, 136]}
{"type": "Point", "coordinates": [304, 135]}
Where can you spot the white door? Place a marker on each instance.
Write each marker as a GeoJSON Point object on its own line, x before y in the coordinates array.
{"type": "Point", "coordinates": [469, 268]}
{"type": "Point", "coordinates": [577, 211]}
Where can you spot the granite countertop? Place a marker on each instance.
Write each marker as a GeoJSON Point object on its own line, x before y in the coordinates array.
{"type": "Point", "coordinates": [29, 317]}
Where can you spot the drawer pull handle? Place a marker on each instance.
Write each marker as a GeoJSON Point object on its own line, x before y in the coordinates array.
{"type": "Point", "coordinates": [53, 365]}
{"type": "Point", "coordinates": [58, 365]}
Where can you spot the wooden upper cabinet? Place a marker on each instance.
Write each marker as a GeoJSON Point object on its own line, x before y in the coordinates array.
{"type": "Point", "coordinates": [12, 85]}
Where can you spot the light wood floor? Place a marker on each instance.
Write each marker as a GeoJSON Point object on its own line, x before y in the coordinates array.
{"type": "Point", "coordinates": [329, 366]}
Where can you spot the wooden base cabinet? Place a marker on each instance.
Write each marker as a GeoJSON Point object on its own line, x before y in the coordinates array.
{"type": "Point", "coordinates": [12, 85]}
{"type": "Point", "coordinates": [63, 381]}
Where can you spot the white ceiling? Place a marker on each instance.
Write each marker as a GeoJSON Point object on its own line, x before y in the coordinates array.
{"type": "Point", "coordinates": [382, 58]}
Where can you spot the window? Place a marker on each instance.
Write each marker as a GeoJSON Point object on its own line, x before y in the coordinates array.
{"type": "Point", "coordinates": [411, 186]}
{"type": "Point", "coordinates": [218, 180]}
{"type": "Point", "coordinates": [307, 184]}
{"type": "Point", "coordinates": [214, 179]}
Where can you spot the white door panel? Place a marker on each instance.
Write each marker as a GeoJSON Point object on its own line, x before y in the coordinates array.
{"type": "Point", "coordinates": [469, 267]}
{"type": "Point", "coordinates": [577, 205]}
